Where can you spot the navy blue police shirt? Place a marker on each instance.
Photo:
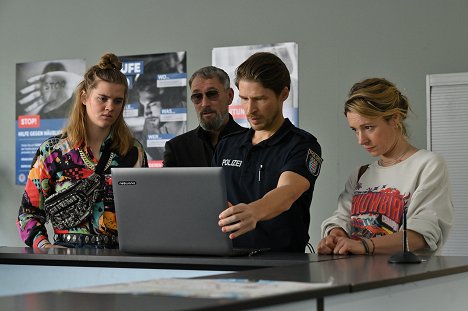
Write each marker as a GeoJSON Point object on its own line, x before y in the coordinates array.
{"type": "Point", "coordinates": [253, 170]}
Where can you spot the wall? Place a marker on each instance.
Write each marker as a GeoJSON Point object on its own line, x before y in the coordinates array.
{"type": "Point", "coordinates": [340, 42]}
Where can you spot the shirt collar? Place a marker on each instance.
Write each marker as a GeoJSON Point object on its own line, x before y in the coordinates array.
{"type": "Point", "coordinates": [275, 138]}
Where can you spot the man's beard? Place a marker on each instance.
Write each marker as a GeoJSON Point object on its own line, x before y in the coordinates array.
{"type": "Point", "coordinates": [213, 124]}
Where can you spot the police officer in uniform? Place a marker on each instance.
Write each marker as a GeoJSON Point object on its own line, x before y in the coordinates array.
{"type": "Point", "coordinates": [271, 169]}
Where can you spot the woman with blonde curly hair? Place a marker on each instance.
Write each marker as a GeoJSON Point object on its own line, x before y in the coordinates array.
{"type": "Point", "coordinates": [69, 182]}
{"type": "Point", "coordinates": [370, 214]}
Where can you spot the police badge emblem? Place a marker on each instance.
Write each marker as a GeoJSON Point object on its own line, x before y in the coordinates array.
{"type": "Point", "coordinates": [313, 162]}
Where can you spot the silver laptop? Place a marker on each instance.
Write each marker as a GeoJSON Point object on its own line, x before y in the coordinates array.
{"type": "Point", "coordinates": [171, 211]}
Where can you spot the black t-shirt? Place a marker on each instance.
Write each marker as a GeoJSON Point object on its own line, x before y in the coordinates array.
{"type": "Point", "coordinates": [253, 170]}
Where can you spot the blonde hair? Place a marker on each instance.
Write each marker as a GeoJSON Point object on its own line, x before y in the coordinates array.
{"type": "Point", "coordinates": [378, 97]}
{"type": "Point", "coordinates": [107, 70]}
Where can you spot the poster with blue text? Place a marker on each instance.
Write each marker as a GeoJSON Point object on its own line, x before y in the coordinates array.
{"type": "Point", "coordinates": [229, 58]}
{"type": "Point", "coordinates": [44, 96]}
{"type": "Point", "coordinates": [157, 99]}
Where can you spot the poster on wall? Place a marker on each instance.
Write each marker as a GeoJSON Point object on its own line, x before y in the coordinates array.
{"type": "Point", "coordinates": [229, 58]}
{"type": "Point", "coordinates": [44, 95]}
{"type": "Point", "coordinates": [157, 99]}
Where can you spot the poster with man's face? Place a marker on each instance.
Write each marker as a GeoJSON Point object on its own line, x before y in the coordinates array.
{"type": "Point", "coordinates": [157, 103]}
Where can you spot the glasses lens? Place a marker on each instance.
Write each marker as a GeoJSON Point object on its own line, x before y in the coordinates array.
{"type": "Point", "coordinates": [212, 95]}
{"type": "Point", "coordinates": [196, 98]}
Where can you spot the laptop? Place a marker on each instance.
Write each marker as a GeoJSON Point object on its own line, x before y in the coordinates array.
{"type": "Point", "coordinates": [172, 211]}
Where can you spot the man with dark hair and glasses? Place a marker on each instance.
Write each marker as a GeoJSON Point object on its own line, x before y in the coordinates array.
{"type": "Point", "coordinates": [211, 96]}
{"type": "Point", "coordinates": [271, 169]}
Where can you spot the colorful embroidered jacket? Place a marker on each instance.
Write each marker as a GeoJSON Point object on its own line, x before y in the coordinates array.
{"type": "Point", "coordinates": [57, 166]}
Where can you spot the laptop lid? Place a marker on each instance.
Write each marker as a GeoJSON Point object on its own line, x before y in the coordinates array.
{"type": "Point", "coordinates": [171, 210]}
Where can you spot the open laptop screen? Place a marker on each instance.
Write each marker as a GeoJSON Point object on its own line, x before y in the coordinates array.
{"type": "Point", "coordinates": [171, 210]}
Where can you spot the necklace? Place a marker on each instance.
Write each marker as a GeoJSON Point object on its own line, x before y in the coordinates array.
{"type": "Point", "coordinates": [398, 159]}
{"type": "Point", "coordinates": [90, 164]}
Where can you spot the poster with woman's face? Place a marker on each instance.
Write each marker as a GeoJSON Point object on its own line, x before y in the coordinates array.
{"type": "Point", "coordinates": [45, 88]}
{"type": "Point", "coordinates": [44, 97]}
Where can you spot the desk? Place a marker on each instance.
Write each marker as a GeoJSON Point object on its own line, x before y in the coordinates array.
{"type": "Point", "coordinates": [113, 258]}
{"type": "Point", "coordinates": [359, 283]}
{"type": "Point", "coordinates": [23, 269]}
{"type": "Point", "coordinates": [371, 283]}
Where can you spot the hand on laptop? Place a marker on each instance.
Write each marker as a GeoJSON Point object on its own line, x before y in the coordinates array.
{"type": "Point", "coordinates": [238, 219]}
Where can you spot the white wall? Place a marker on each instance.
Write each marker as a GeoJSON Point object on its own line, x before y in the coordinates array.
{"type": "Point", "coordinates": [340, 42]}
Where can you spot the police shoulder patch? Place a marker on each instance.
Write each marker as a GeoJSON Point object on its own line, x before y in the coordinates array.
{"type": "Point", "coordinates": [313, 162]}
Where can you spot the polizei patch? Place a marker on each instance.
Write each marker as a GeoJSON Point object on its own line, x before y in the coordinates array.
{"type": "Point", "coordinates": [313, 162]}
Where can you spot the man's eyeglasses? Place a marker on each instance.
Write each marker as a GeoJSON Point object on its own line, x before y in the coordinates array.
{"type": "Point", "coordinates": [198, 97]}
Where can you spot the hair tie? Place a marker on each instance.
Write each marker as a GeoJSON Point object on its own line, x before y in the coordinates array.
{"type": "Point", "coordinates": [366, 246]}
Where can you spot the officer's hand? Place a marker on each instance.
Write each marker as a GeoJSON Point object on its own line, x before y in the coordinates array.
{"type": "Point", "coordinates": [238, 219]}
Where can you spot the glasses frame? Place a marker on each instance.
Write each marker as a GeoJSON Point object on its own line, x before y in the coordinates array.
{"type": "Point", "coordinates": [211, 95]}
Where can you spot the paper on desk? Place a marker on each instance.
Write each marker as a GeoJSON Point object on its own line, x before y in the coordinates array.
{"type": "Point", "coordinates": [205, 288]}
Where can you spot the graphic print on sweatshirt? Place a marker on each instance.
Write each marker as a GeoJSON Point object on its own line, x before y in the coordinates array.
{"type": "Point", "coordinates": [377, 211]}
